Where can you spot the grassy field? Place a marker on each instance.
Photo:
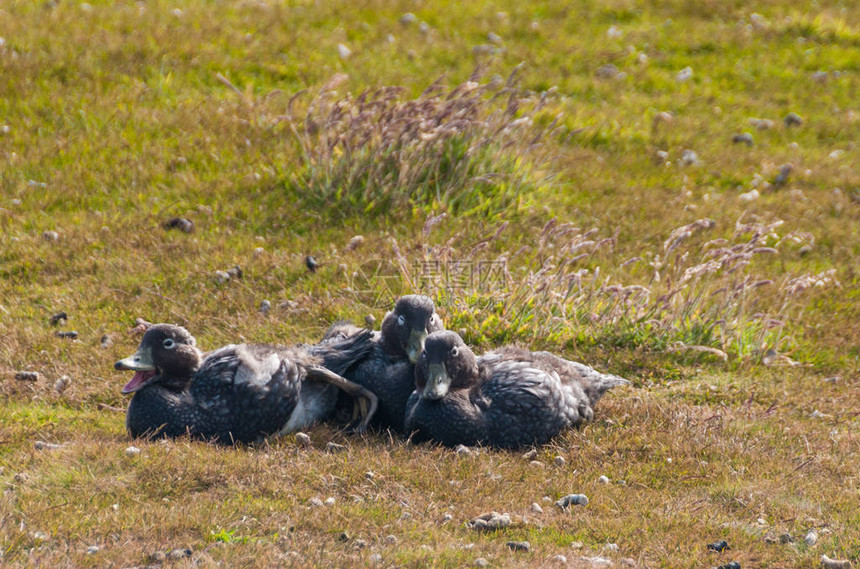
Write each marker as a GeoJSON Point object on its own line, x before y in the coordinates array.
{"type": "Point", "coordinates": [579, 180]}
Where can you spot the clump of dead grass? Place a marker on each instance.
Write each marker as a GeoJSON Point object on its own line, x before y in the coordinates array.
{"type": "Point", "coordinates": [470, 149]}
{"type": "Point", "coordinates": [694, 295]}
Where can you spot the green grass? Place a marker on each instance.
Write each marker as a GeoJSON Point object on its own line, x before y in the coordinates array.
{"type": "Point", "coordinates": [118, 116]}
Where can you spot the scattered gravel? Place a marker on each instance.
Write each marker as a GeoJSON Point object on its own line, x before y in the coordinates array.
{"type": "Point", "coordinates": [519, 546]}
{"type": "Point", "coordinates": [265, 306]}
{"type": "Point", "coordinates": [761, 124]}
{"type": "Point", "coordinates": [27, 375]}
{"type": "Point", "coordinates": [562, 559]}
{"type": "Point", "coordinates": [132, 451]}
{"type": "Point", "coordinates": [743, 138]}
{"type": "Point", "coordinates": [572, 500]}
{"type": "Point", "coordinates": [603, 479]}
{"type": "Point", "coordinates": [179, 223]}
{"type": "Point", "coordinates": [179, 553]}
{"type": "Point", "coordinates": [811, 538]}
{"type": "Point", "coordinates": [490, 521]}
{"type": "Point", "coordinates": [62, 383]}
{"type": "Point", "coordinates": [719, 546]}
{"type": "Point", "coordinates": [67, 334]}
{"type": "Point", "coordinates": [329, 501]}
{"type": "Point", "coordinates": [408, 18]}
{"type": "Point", "coordinates": [59, 318]}
{"type": "Point", "coordinates": [315, 502]}
{"type": "Point", "coordinates": [829, 563]}
{"type": "Point", "coordinates": [792, 119]}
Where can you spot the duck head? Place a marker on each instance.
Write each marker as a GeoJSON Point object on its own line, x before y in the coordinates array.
{"type": "Point", "coordinates": [447, 363]}
{"type": "Point", "coordinates": [405, 328]}
{"type": "Point", "coordinates": [167, 354]}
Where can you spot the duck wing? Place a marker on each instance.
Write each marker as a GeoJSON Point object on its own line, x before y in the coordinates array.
{"type": "Point", "coordinates": [247, 391]}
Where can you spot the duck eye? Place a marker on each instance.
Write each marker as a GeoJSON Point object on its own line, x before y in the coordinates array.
{"type": "Point", "coordinates": [168, 343]}
{"type": "Point", "coordinates": [401, 320]}
{"type": "Point", "coordinates": [455, 352]}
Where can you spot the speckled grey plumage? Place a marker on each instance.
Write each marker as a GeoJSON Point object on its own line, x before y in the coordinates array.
{"type": "Point", "coordinates": [386, 370]}
{"type": "Point", "coordinates": [238, 393]}
{"type": "Point", "coordinates": [508, 398]}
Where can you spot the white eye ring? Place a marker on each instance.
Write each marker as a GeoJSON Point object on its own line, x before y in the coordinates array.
{"type": "Point", "coordinates": [455, 351]}
{"type": "Point", "coordinates": [401, 320]}
{"type": "Point", "coordinates": [168, 343]}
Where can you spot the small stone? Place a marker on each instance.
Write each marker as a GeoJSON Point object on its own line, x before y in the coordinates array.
{"type": "Point", "coordinates": [613, 547]}
{"type": "Point", "coordinates": [792, 119]}
{"type": "Point", "coordinates": [235, 272]}
{"type": "Point", "coordinates": [730, 565]}
{"type": "Point", "coordinates": [408, 18]}
{"type": "Point", "coordinates": [329, 501]}
{"type": "Point", "coordinates": [343, 51]}
{"type": "Point", "coordinates": [561, 559]}
{"type": "Point", "coordinates": [221, 277]}
{"type": "Point", "coordinates": [59, 318]}
{"type": "Point", "coordinates": [531, 455]}
{"type": "Point", "coordinates": [820, 76]}
{"type": "Point", "coordinates": [303, 439]}
{"type": "Point", "coordinates": [62, 384]}
{"type": "Point", "coordinates": [483, 49]}
{"type": "Point", "coordinates": [265, 306]}
{"type": "Point", "coordinates": [359, 544]}
{"type": "Point", "coordinates": [536, 464]}
{"type": "Point", "coordinates": [608, 71]}
{"type": "Point", "coordinates": [370, 475]}
{"type": "Point", "coordinates": [597, 561]}
{"type": "Point", "coordinates": [559, 461]}
{"type": "Point", "coordinates": [761, 124]}
{"type": "Point", "coordinates": [424, 27]}
{"type": "Point", "coordinates": [27, 375]}
{"type": "Point", "coordinates": [93, 549]}
{"type": "Point", "coordinates": [447, 518]}
{"type": "Point", "coordinates": [614, 32]}
{"type": "Point", "coordinates": [684, 74]}
{"type": "Point", "coordinates": [603, 479]}
{"type": "Point", "coordinates": [628, 562]}
{"type": "Point", "coordinates": [354, 243]}
{"type": "Point", "coordinates": [811, 538]}
{"type": "Point", "coordinates": [786, 538]}
{"type": "Point", "coordinates": [494, 38]}
{"type": "Point", "coordinates": [572, 500]}
{"type": "Point", "coordinates": [316, 502]}
{"type": "Point", "coordinates": [42, 445]}
{"type": "Point", "coordinates": [481, 562]}
{"type": "Point", "coordinates": [752, 195]}
{"type": "Point", "coordinates": [311, 263]}
{"type": "Point", "coordinates": [69, 334]}
{"type": "Point", "coordinates": [259, 252]}
{"type": "Point", "coordinates": [576, 545]}
{"type": "Point", "coordinates": [369, 320]}
{"type": "Point", "coordinates": [158, 557]}
{"type": "Point", "coordinates": [689, 158]}
{"type": "Point", "coordinates": [743, 138]}
{"type": "Point", "coordinates": [490, 521]}
{"type": "Point", "coordinates": [179, 223]}
{"type": "Point", "coordinates": [333, 447]}
{"type": "Point", "coordinates": [719, 546]}
{"type": "Point", "coordinates": [39, 536]}
{"type": "Point", "coordinates": [535, 508]}
{"type": "Point", "coordinates": [50, 236]}
{"type": "Point", "coordinates": [179, 553]}
{"type": "Point", "coordinates": [463, 450]}
{"type": "Point", "coordinates": [519, 546]}
{"type": "Point", "coordinates": [132, 451]}
{"type": "Point", "coordinates": [829, 563]}
{"type": "Point", "coordinates": [375, 558]}
{"type": "Point", "coordinates": [390, 539]}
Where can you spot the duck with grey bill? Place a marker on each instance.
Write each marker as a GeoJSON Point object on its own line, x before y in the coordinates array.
{"type": "Point", "coordinates": [507, 398]}
{"type": "Point", "coordinates": [388, 370]}
{"type": "Point", "coordinates": [238, 393]}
